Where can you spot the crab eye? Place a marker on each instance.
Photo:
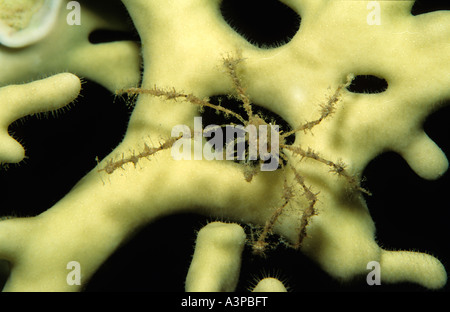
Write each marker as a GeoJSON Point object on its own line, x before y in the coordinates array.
{"type": "Point", "coordinates": [368, 84]}
{"type": "Point", "coordinates": [263, 23]}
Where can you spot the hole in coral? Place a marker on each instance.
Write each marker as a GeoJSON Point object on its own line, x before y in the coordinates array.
{"type": "Point", "coordinates": [368, 84]}
{"type": "Point", "coordinates": [264, 23]}
{"type": "Point", "coordinates": [422, 7]}
{"type": "Point", "coordinates": [211, 117]}
{"type": "Point", "coordinates": [399, 196]}
{"type": "Point", "coordinates": [106, 35]}
{"type": "Point", "coordinates": [437, 127]}
{"type": "Point", "coordinates": [135, 266]}
{"type": "Point", "coordinates": [116, 15]}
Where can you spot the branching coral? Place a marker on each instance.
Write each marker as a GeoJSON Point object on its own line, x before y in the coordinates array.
{"type": "Point", "coordinates": [40, 96]}
{"type": "Point", "coordinates": [184, 45]}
